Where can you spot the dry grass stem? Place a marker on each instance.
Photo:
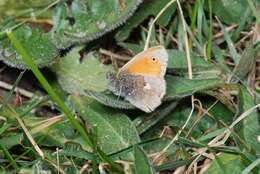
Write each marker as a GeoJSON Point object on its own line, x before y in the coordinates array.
{"type": "Point", "coordinates": [21, 91]}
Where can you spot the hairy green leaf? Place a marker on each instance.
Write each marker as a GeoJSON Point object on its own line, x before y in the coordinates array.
{"type": "Point", "coordinates": [145, 121]}
{"type": "Point", "coordinates": [246, 62]}
{"type": "Point", "coordinates": [108, 99]}
{"type": "Point", "coordinates": [225, 164]}
{"type": "Point", "coordinates": [178, 87]}
{"type": "Point", "coordinates": [14, 8]}
{"type": "Point", "coordinates": [229, 11]}
{"type": "Point", "coordinates": [11, 139]}
{"type": "Point", "coordinates": [250, 123]}
{"type": "Point", "coordinates": [76, 74]}
{"type": "Point", "coordinates": [38, 44]}
{"type": "Point", "coordinates": [75, 150]}
{"type": "Point", "coordinates": [85, 20]}
{"type": "Point", "coordinates": [115, 131]}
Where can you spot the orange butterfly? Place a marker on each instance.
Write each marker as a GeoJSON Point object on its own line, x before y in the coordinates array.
{"type": "Point", "coordinates": [141, 80]}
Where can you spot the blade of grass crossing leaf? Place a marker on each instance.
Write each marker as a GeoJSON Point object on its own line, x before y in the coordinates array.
{"type": "Point", "coordinates": [109, 100]}
{"type": "Point", "coordinates": [144, 123]}
{"type": "Point", "coordinates": [194, 15]}
{"type": "Point", "coordinates": [250, 123]}
{"type": "Point", "coordinates": [95, 143]}
{"type": "Point", "coordinates": [10, 93]}
{"type": "Point", "coordinates": [28, 60]}
{"type": "Point", "coordinates": [205, 26]}
{"type": "Point", "coordinates": [198, 45]}
{"type": "Point", "coordinates": [193, 18]}
{"type": "Point", "coordinates": [153, 22]}
{"type": "Point", "coordinates": [130, 148]}
{"type": "Point", "coordinates": [180, 35]}
{"type": "Point", "coordinates": [142, 164]}
{"type": "Point", "coordinates": [170, 33]}
{"type": "Point", "coordinates": [75, 150]}
{"type": "Point", "coordinates": [246, 18]}
{"type": "Point", "coordinates": [199, 21]}
{"type": "Point", "coordinates": [219, 55]}
{"type": "Point", "coordinates": [115, 129]}
{"type": "Point", "coordinates": [34, 105]}
{"type": "Point", "coordinates": [7, 98]}
{"type": "Point", "coordinates": [251, 166]}
{"type": "Point", "coordinates": [94, 164]}
{"type": "Point", "coordinates": [4, 127]}
{"type": "Point", "coordinates": [188, 142]}
{"type": "Point", "coordinates": [245, 63]}
{"type": "Point", "coordinates": [9, 157]}
{"type": "Point", "coordinates": [196, 40]}
{"type": "Point", "coordinates": [248, 159]}
{"type": "Point", "coordinates": [114, 167]}
{"type": "Point", "coordinates": [209, 46]}
{"type": "Point", "coordinates": [239, 139]}
{"type": "Point", "coordinates": [175, 164]}
{"type": "Point", "coordinates": [230, 43]}
{"type": "Point", "coordinates": [30, 149]}
{"type": "Point", "coordinates": [211, 134]}
{"type": "Point", "coordinates": [14, 114]}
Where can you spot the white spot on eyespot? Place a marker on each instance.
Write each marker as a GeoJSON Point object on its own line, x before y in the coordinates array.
{"type": "Point", "coordinates": [147, 86]}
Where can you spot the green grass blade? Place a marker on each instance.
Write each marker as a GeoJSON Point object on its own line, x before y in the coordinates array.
{"type": "Point", "coordinates": [230, 43]}
{"type": "Point", "coordinates": [7, 97]}
{"type": "Point", "coordinates": [4, 127]}
{"type": "Point", "coordinates": [210, 34]}
{"type": "Point", "coordinates": [9, 157]}
{"type": "Point", "coordinates": [254, 9]}
{"type": "Point", "coordinates": [200, 21]}
{"type": "Point", "coordinates": [142, 164]}
{"type": "Point", "coordinates": [194, 15]}
{"type": "Point", "coordinates": [245, 19]}
{"type": "Point", "coordinates": [175, 164]}
{"type": "Point", "coordinates": [28, 60]}
{"type": "Point", "coordinates": [251, 166]}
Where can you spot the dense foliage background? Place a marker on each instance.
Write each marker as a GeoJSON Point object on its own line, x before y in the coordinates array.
{"type": "Point", "coordinates": [58, 116]}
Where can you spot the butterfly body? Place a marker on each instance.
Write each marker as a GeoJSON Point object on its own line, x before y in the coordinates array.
{"type": "Point", "coordinates": [141, 80]}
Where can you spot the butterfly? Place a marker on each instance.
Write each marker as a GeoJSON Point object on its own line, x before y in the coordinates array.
{"type": "Point", "coordinates": [141, 80]}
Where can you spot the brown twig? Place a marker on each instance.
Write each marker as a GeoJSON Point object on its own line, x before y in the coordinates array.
{"type": "Point", "coordinates": [228, 29]}
{"type": "Point", "coordinates": [23, 92]}
{"type": "Point", "coordinates": [116, 56]}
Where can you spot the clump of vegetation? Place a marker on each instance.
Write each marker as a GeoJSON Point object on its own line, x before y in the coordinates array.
{"type": "Point", "coordinates": [58, 116]}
